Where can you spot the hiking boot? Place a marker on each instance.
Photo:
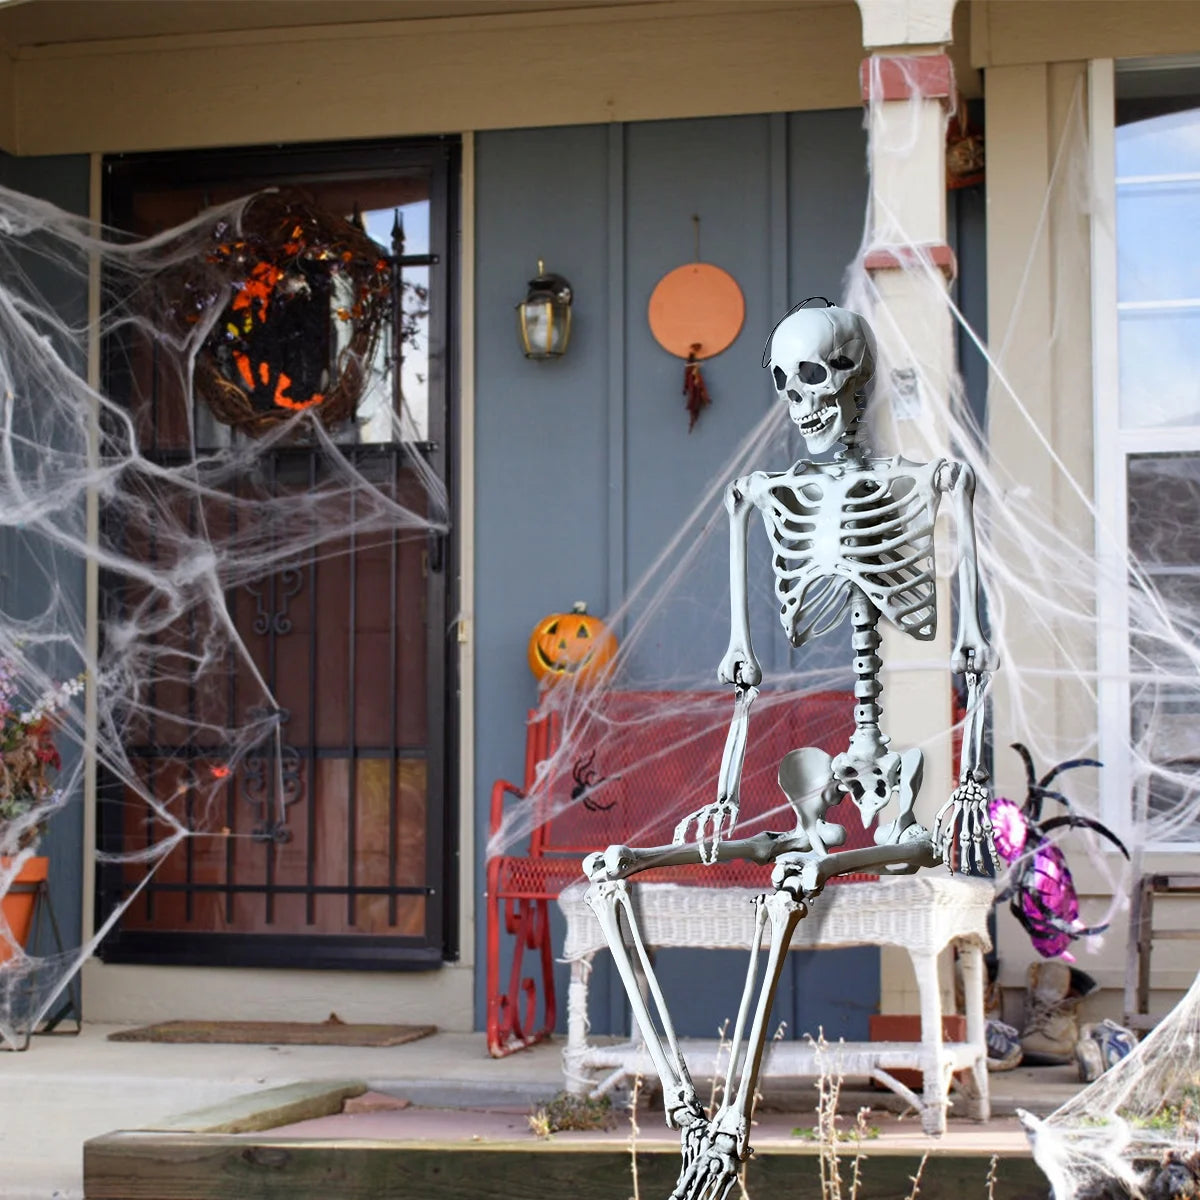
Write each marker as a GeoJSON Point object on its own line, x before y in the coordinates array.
{"type": "Point", "coordinates": [1051, 1026]}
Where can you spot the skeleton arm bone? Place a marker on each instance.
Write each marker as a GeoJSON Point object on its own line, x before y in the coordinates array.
{"type": "Point", "coordinates": [739, 665]}
{"type": "Point", "coordinates": [805, 873]}
{"type": "Point", "coordinates": [714, 819]}
{"type": "Point", "coordinates": [620, 862]}
{"type": "Point", "coordinates": [971, 649]}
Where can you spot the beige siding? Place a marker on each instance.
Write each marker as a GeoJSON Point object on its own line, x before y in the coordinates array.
{"type": "Point", "coordinates": [692, 58]}
{"type": "Point", "coordinates": [1009, 32]}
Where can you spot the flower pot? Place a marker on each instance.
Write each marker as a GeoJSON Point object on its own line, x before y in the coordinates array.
{"type": "Point", "coordinates": [18, 902]}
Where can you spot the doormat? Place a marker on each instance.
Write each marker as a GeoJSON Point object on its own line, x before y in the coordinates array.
{"type": "Point", "coordinates": [276, 1033]}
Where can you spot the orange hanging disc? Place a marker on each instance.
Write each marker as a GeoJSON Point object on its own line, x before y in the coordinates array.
{"type": "Point", "coordinates": [696, 305]}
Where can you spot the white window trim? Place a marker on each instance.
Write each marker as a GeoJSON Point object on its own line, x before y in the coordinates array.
{"type": "Point", "coordinates": [1112, 447]}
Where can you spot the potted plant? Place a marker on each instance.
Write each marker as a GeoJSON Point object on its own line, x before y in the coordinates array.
{"type": "Point", "coordinates": [28, 796]}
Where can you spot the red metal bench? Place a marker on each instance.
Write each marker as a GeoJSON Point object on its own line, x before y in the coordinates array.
{"type": "Point", "coordinates": [626, 772]}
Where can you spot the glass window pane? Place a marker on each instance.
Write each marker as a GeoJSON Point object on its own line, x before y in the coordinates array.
{"type": "Point", "coordinates": [412, 397]}
{"type": "Point", "coordinates": [1158, 145]}
{"type": "Point", "coordinates": [1159, 355]}
{"type": "Point", "coordinates": [1158, 242]}
{"type": "Point", "coordinates": [1164, 509]}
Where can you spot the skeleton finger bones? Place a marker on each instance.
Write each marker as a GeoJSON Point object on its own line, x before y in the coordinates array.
{"type": "Point", "coordinates": [712, 822]}
{"type": "Point", "coordinates": [962, 831]}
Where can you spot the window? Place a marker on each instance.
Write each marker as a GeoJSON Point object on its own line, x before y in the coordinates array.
{"type": "Point", "coordinates": [338, 832]}
{"type": "Point", "coordinates": [1146, 129]}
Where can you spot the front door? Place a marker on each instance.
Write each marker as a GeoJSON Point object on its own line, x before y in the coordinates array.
{"type": "Point", "coordinates": [325, 839]}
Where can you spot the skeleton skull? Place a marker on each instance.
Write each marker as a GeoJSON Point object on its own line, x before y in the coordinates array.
{"type": "Point", "coordinates": [820, 359]}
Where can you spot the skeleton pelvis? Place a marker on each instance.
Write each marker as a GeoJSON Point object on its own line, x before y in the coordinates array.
{"type": "Point", "coordinates": [806, 777]}
{"type": "Point", "coordinates": [868, 780]}
{"type": "Point", "coordinates": [872, 780]}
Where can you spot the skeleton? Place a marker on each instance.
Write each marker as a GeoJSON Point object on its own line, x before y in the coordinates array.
{"type": "Point", "coordinates": [854, 535]}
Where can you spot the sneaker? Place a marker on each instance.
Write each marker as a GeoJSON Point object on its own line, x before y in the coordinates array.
{"type": "Point", "coordinates": [1100, 1046]}
{"type": "Point", "coordinates": [1003, 1046]}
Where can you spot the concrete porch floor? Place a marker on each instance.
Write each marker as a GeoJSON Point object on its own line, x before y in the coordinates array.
{"type": "Point", "coordinates": [64, 1090]}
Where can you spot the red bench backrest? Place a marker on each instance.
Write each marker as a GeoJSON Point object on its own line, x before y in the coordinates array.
{"type": "Point", "coordinates": [630, 767]}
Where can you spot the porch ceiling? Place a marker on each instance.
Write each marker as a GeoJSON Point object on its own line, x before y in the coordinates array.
{"type": "Point", "coordinates": [27, 23]}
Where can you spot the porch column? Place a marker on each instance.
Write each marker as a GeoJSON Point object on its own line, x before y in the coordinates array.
{"type": "Point", "coordinates": [907, 87]}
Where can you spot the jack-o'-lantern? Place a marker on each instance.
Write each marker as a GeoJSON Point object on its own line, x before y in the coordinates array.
{"type": "Point", "coordinates": [574, 644]}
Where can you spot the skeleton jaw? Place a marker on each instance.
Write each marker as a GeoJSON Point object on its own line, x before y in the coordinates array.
{"type": "Point", "coordinates": [821, 423]}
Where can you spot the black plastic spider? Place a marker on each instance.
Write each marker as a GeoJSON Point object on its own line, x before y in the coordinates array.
{"type": "Point", "coordinates": [586, 782]}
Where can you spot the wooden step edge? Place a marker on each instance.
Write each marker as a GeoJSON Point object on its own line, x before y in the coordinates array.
{"type": "Point", "coordinates": [266, 1109]}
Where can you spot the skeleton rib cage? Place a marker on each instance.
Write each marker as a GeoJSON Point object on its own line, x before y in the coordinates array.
{"type": "Point", "coordinates": [831, 530]}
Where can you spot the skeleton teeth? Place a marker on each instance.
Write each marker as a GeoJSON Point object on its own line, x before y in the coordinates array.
{"type": "Point", "coordinates": [809, 424]}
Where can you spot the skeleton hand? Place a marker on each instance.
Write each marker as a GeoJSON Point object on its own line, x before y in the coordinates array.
{"type": "Point", "coordinates": [712, 822]}
{"type": "Point", "coordinates": [964, 819]}
{"type": "Point", "coordinates": [739, 666]}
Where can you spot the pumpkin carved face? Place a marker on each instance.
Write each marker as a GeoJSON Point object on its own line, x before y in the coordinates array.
{"type": "Point", "coordinates": [571, 643]}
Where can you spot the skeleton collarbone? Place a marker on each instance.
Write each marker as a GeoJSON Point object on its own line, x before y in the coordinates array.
{"type": "Point", "coordinates": [845, 524]}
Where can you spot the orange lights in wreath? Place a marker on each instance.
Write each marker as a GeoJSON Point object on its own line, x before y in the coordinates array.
{"type": "Point", "coordinates": [571, 644]}
{"type": "Point", "coordinates": [305, 297]}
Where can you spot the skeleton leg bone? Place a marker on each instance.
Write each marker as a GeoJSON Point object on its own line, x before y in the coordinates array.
{"type": "Point", "coordinates": [680, 1102]}
{"type": "Point", "coordinates": [714, 1150]}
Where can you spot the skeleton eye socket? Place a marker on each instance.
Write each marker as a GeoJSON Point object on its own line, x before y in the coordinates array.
{"type": "Point", "coordinates": [780, 378]}
{"type": "Point", "coordinates": [842, 363]}
{"type": "Point", "coordinates": [811, 372]}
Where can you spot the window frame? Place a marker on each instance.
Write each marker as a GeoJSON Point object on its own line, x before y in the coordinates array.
{"type": "Point", "coordinates": [1114, 447]}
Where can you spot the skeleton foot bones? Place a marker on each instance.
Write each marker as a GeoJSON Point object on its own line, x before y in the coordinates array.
{"type": "Point", "coordinates": [710, 1162]}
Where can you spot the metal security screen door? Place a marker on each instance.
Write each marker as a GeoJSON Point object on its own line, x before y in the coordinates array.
{"type": "Point", "coordinates": [338, 846]}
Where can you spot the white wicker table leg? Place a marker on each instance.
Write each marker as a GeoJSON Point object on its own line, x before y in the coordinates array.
{"type": "Point", "coordinates": [577, 1078]}
{"type": "Point", "coordinates": [971, 963]}
{"type": "Point", "coordinates": [935, 1065]}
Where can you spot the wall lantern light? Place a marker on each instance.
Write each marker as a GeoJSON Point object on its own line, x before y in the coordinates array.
{"type": "Point", "coordinates": [544, 316]}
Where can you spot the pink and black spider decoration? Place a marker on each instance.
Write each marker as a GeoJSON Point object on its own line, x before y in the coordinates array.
{"type": "Point", "coordinates": [1041, 893]}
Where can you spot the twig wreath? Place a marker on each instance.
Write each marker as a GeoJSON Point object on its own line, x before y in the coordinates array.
{"type": "Point", "coordinates": [311, 293]}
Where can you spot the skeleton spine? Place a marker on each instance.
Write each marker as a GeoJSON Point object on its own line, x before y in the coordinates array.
{"type": "Point", "coordinates": [854, 438]}
{"type": "Point", "coordinates": [864, 620]}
